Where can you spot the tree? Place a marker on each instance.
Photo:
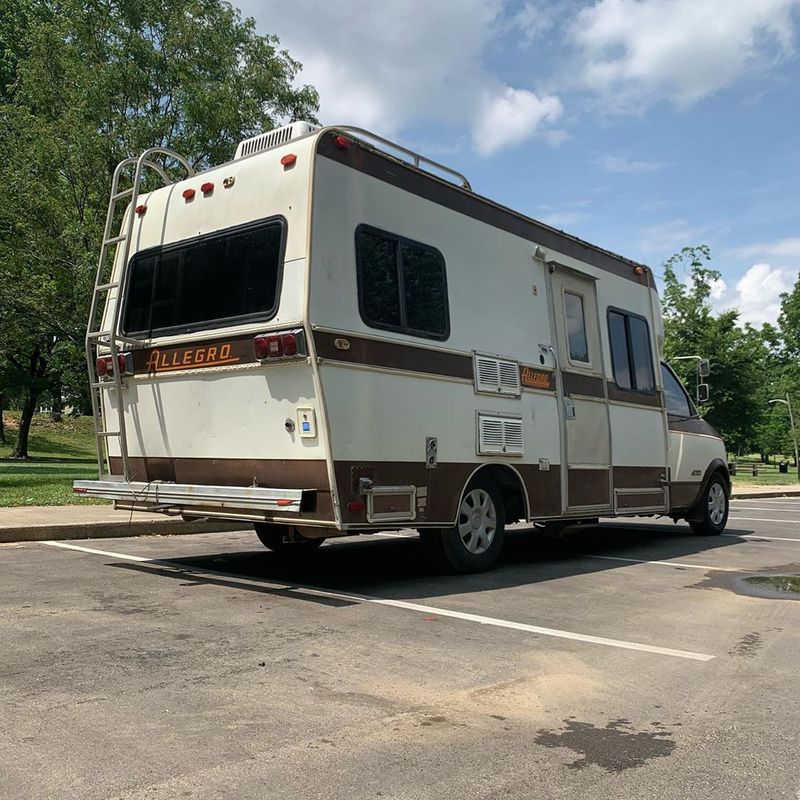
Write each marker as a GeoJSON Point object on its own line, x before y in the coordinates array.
{"type": "Point", "coordinates": [85, 84]}
{"type": "Point", "coordinates": [738, 355]}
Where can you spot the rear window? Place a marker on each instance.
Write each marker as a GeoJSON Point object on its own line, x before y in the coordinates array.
{"type": "Point", "coordinates": [213, 281]}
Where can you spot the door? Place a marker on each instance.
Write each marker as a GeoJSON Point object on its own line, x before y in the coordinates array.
{"type": "Point", "coordinates": [586, 481]}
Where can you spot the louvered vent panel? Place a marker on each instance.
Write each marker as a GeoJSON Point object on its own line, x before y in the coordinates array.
{"type": "Point", "coordinates": [499, 435]}
{"type": "Point", "coordinates": [496, 375]}
{"type": "Point", "coordinates": [273, 138]}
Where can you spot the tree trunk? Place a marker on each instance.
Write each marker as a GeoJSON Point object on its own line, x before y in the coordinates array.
{"type": "Point", "coordinates": [57, 412]}
{"type": "Point", "coordinates": [28, 410]}
{"type": "Point", "coordinates": [3, 439]}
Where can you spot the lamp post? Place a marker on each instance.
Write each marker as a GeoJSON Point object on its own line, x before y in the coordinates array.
{"type": "Point", "coordinates": [787, 402]}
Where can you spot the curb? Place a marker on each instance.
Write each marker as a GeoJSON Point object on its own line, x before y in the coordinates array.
{"type": "Point", "coordinates": [113, 530]}
{"type": "Point", "coordinates": [746, 495]}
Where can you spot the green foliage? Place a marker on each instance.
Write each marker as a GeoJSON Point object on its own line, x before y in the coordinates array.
{"type": "Point", "coordinates": [739, 355]}
{"type": "Point", "coordinates": [85, 84]}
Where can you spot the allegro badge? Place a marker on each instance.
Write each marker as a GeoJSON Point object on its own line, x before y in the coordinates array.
{"type": "Point", "coordinates": [191, 357]}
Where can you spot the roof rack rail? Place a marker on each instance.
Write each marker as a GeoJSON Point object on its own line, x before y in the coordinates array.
{"type": "Point", "coordinates": [416, 160]}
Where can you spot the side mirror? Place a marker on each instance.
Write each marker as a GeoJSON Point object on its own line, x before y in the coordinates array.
{"type": "Point", "coordinates": [702, 393]}
{"type": "Point", "coordinates": [704, 368]}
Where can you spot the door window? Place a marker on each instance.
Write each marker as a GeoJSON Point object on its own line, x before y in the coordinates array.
{"type": "Point", "coordinates": [677, 401]}
{"type": "Point", "coordinates": [576, 328]}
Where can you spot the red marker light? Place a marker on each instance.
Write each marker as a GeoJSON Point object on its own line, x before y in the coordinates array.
{"type": "Point", "coordinates": [355, 506]}
{"type": "Point", "coordinates": [342, 142]}
{"type": "Point", "coordinates": [79, 490]}
{"type": "Point", "coordinates": [207, 187]}
{"type": "Point", "coordinates": [188, 194]}
{"type": "Point", "coordinates": [141, 209]}
{"type": "Point", "coordinates": [289, 159]}
{"type": "Point", "coordinates": [289, 343]}
{"type": "Point", "coordinates": [260, 346]}
{"type": "Point", "coordinates": [284, 502]}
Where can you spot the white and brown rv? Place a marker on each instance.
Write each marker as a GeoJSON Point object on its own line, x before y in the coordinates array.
{"type": "Point", "coordinates": [332, 335]}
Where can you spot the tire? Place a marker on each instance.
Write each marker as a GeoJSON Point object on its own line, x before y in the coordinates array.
{"type": "Point", "coordinates": [275, 538]}
{"type": "Point", "coordinates": [711, 513]}
{"type": "Point", "coordinates": [473, 544]}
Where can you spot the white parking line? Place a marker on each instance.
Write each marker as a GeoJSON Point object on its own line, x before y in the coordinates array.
{"type": "Point", "coordinates": [666, 563]}
{"type": "Point", "coordinates": [761, 519]}
{"type": "Point", "coordinates": [417, 607]}
{"type": "Point", "coordinates": [767, 508]}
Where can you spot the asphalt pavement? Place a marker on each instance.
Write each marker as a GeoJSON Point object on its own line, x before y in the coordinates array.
{"type": "Point", "coordinates": [626, 661]}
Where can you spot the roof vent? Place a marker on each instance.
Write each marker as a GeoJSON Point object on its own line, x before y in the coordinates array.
{"type": "Point", "coordinates": [273, 138]}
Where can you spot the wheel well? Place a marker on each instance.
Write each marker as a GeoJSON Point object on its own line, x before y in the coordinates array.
{"type": "Point", "coordinates": [511, 488]}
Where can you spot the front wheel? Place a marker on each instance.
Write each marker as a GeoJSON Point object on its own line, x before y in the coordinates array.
{"type": "Point", "coordinates": [279, 539]}
{"type": "Point", "coordinates": [474, 542]}
{"type": "Point", "coordinates": [711, 513]}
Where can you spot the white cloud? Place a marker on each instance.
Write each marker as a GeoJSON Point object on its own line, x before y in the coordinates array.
{"type": "Point", "coordinates": [385, 66]}
{"type": "Point", "coordinates": [718, 289]}
{"type": "Point", "coordinates": [665, 238]}
{"type": "Point", "coordinates": [782, 248]}
{"type": "Point", "coordinates": [636, 51]}
{"type": "Point", "coordinates": [623, 164]}
{"type": "Point", "coordinates": [510, 116]}
{"type": "Point", "coordinates": [535, 19]}
{"type": "Point", "coordinates": [758, 293]}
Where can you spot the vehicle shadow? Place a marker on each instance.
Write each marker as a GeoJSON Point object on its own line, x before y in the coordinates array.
{"type": "Point", "coordinates": [398, 568]}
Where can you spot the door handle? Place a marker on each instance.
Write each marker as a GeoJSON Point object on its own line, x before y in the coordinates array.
{"type": "Point", "coordinates": [569, 408]}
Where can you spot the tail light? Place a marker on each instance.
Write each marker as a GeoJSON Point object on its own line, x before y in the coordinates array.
{"type": "Point", "coordinates": [276, 346]}
{"type": "Point", "coordinates": [105, 365]}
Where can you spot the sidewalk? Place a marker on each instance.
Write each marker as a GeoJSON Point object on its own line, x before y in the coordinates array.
{"type": "Point", "coordinates": [39, 523]}
{"type": "Point", "coordinates": [744, 492]}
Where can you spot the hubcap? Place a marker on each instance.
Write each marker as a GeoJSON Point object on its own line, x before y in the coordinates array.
{"type": "Point", "coordinates": [716, 503]}
{"type": "Point", "coordinates": [477, 521]}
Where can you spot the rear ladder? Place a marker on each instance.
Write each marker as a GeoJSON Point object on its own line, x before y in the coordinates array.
{"type": "Point", "coordinates": [103, 329]}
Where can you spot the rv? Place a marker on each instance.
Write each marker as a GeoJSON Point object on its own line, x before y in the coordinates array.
{"type": "Point", "coordinates": [333, 335]}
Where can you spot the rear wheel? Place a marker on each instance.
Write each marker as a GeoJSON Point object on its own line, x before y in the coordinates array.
{"type": "Point", "coordinates": [711, 513]}
{"type": "Point", "coordinates": [474, 542]}
{"type": "Point", "coordinates": [285, 539]}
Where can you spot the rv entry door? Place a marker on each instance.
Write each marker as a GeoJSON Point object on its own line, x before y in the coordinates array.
{"type": "Point", "coordinates": [586, 436]}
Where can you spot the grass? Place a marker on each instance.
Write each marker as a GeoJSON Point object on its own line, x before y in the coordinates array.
{"type": "Point", "coordinates": [768, 474]}
{"type": "Point", "coordinates": [60, 452]}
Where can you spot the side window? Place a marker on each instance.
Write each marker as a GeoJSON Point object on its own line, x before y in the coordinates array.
{"type": "Point", "coordinates": [401, 285]}
{"type": "Point", "coordinates": [576, 328]}
{"type": "Point", "coordinates": [676, 398]}
{"type": "Point", "coordinates": [631, 352]}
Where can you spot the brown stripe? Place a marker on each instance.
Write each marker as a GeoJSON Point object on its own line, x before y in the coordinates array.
{"type": "Point", "coordinates": [577, 383]}
{"type": "Point", "coordinates": [588, 487]}
{"type": "Point", "coordinates": [639, 477]}
{"type": "Point", "coordinates": [392, 355]}
{"type": "Point", "coordinates": [695, 425]}
{"type": "Point", "coordinates": [391, 171]}
{"type": "Point", "coordinates": [636, 398]}
{"type": "Point", "coordinates": [444, 486]}
{"type": "Point", "coordinates": [633, 501]}
{"type": "Point", "coordinates": [270, 473]}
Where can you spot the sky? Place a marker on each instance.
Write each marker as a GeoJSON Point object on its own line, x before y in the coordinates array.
{"type": "Point", "coordinates": [642, 126]}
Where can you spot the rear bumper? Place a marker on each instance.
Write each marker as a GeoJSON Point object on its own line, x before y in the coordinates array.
{"type": "Point", "coordinates": [176, 498]}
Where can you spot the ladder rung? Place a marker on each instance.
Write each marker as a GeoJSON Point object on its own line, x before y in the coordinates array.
{"type": "Point", "coordinates": [108, 433]}
{"type": "Point", "coordinates": [115, 239]}
{"type": "Point", "coordinates": [123, 193]}
{"type": "Point", "coordinates": [99, 335]}
{"type": "Point", "coordinates": [104, 287]}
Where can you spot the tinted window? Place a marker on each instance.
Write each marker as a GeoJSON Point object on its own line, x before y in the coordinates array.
{"type": "Point", "coordinates": [401, 285]}
{"type": "Point", "coordinates": [631, 352]}
{"type": "Point", "coordinates": [619, 350]}
{"type": "Point", "coordinates": [576, 327]}
{"type": "Point", "coordinates": [674, 395]}
{"type": "Point", "coordinates": [209, 282]}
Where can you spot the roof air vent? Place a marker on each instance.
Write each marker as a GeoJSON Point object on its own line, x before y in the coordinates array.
{"type": "Point", "coordinates": [273, 138]}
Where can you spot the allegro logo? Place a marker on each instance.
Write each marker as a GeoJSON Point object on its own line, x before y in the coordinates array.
{"type": "Point", "coordinates": [206, 356]}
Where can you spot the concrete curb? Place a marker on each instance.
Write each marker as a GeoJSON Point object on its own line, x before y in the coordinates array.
{"type": "Point", "coordinates": [750, 495]}
{"type": "Point", "coordinates": [113, 530]}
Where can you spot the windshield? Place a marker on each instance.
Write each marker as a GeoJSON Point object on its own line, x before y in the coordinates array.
{"type": "Point", "coordinates": [677, 399]}
{"type": "Point", "coordinates": [213, 281]}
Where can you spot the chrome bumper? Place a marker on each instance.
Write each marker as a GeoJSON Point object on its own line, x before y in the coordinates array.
{"type": "Point", "coordinates": [158, 496]}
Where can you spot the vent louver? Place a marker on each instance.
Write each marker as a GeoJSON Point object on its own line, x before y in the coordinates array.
{"type": "Point", "coordinates": [264, 141]}
{"type": "Point", "coordinates": [499, 435]}
{"type": "Point", "coordinates": [495, 375]}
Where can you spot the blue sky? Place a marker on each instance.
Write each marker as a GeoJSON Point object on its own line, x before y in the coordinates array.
{"type": "Point", "coordinates": [640, 125]}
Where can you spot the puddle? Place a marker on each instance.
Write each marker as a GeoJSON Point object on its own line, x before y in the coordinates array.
{"type": "Point", "coordinates": [779, 583]}
{"type": "Point", "coordinates": [615, 747]}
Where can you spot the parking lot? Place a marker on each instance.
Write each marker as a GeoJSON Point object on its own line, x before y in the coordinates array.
{"type": "Point", "coordinates": [623, 661]}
